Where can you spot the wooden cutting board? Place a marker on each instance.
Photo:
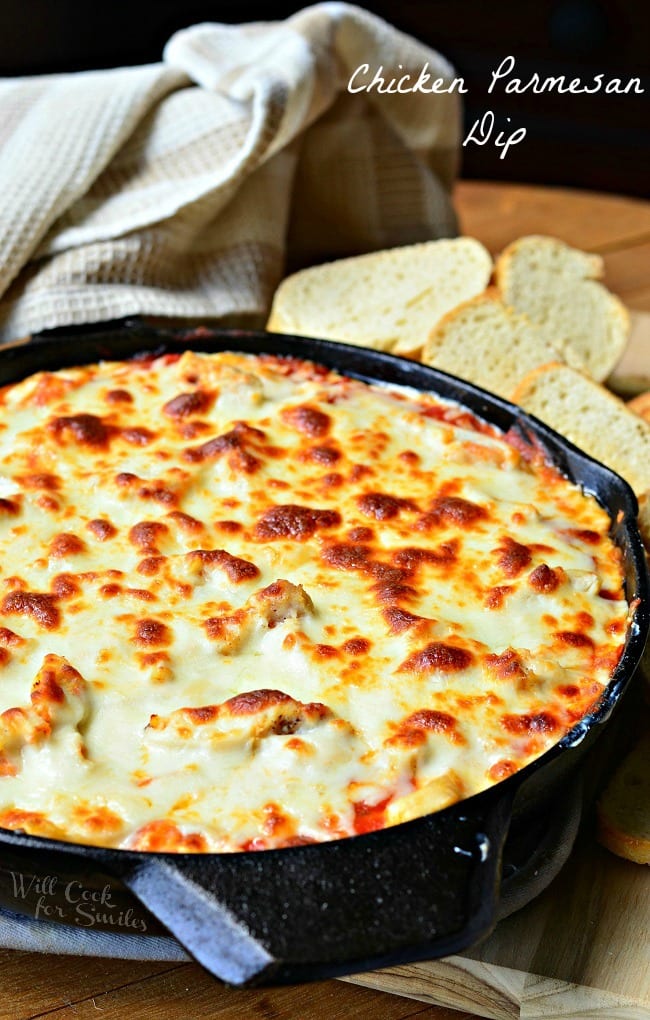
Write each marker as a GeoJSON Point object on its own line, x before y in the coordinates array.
{"type": "Point", "coordinates": [581, 949]}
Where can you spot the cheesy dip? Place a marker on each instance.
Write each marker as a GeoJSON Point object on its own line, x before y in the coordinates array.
{"type": "Point", "coordinates": [246, 602]}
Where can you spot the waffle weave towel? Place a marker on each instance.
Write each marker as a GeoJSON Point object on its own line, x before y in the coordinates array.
{"type": "Point", "coordinates": [183, 189]}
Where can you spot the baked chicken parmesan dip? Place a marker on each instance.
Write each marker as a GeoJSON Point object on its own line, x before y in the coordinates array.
{"type": "Point", "coordinates": [246, 603]}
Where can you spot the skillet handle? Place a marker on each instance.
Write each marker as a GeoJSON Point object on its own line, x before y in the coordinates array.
{"type": "Point", "coordinates": [424, 889]}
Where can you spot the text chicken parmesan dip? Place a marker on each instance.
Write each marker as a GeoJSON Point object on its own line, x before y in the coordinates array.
{"type": "Point", "coordinates": [246, 602]}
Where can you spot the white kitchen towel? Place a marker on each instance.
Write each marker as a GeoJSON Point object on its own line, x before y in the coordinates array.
{"type": "Point", "coordinates": [183, 189]}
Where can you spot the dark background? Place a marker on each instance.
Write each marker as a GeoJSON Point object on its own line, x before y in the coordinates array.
{"type": "Point", "coordinates": [595, 141]}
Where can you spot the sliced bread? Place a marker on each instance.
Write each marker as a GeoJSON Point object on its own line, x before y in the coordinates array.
{"type": "Point", "coordinates": [624, 807]}
{"type": "Point", "coordinates": [487, 344]}
{"type": "Point", "coordinates": [590, 417]}
{"type": "Point", "coordinates": [641, 405]}
{"type": "Point", "coordinates": [556, 287]}
{"type": "Point", "coordinates": [388, 300]}
{"type": "Point", "coordinates": [644, 527]}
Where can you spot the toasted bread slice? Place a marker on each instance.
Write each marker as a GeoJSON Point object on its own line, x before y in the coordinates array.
{"type": "Point", "coordinates": [388, 300]}
{"type": "Point", "coordinates": [641, 405]}
{"type": "Point", "coordinates": [624, 807]}
{"type": "Point", "coordinates": [487, 344]}
{"type": "Point", "coordinates": [591, 417]}
{"type": "Point", "coordinates": [644, 524]}
{"type": "Point", "coordinates": [556, 287]}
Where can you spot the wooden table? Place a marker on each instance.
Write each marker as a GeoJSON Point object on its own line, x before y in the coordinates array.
{"type": "Point", "coordinates": [34, 985]}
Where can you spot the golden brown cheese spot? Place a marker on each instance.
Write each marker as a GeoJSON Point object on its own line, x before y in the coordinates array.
{"type": "Point", "coordinates": [158, 493]}
{"type": "Point", "coordinates": [137, 436]}
{"type": "Point", "coordinates": [501, 769]}
{"type": "Point", "coordinates": [97, 819]}
{"type": "Point", "coordinates": [544, 579]}
{"type": "Point", "coordinates": [47, 503]}
{"type": "Point", "coordinates": [250, 702]}
{"type": "Point", "coordinates": [9, 639]}
{"type": "Point", "coordinates": [585, 535]}
{"type": "Point", "coordinates": [437, 657]}
{"type": "Point", "coordinates": [236, 569]}
{"type": "Point", "coordinates": [530, 723]}
{"type": "Point", "coordinates": [347, 556]}
{"type": "Point", "coordinates": [146, 534]}
{"type": "Point", "coordinates": [199, 716]}
{"type": "Point", "coordinates": [281, 600]}
{"type": "Point", "coordinates": [324, 651]}
{"type": "Point", "coordinates": [5, 656]}
{"type": "Point", "coordinates": [361, 534]}
{"type": "Point", "coordinates": [332, 481]}
{"type": "Point", "coordinates": [390, 586]}
{"type": "Point", "coordinates": [65, 586]}
{"type": "Point", "coordinates": [233, 443]}
{"type": "Point", "coordinates": [102, 529]}
{"type": "Point", "coordinates": [82, 429]}
{"type": "Point", "coordinates": [150, 565]}
{"type": "Point", "coordinates": [41, 480]}
{"type": "Point", "coordinates": [11, 507]}
{"type": "Point", "coordinates": [356, 646]}
{"type": "Point", "coordinates": [152, 632]}
{"type": "Point", "coordinates": [413, 730]}
{"type": "Point", "coordinates": [513, 557]}
{"type": "Point", "coordinates": [383, 507]}
{"type": "Point", "coordinates": [66, 544]}
{"type": "Point", "coordinates": [162, 836]}
{"type": "Point", "coordinates": [399, 620]}
{"type": "Point", "coordinates": [409, 457]}
{"type": "Point", "coordinates": [325, 454]}
{"type": "Point", "coordinates": [118, 396]}
{"type": "Point", "coordinates": [412, 557]}
{"type": "Point", "coordinates": [568, 690]}
{"type": "Point", "coordinates": [506, 666]}
{"type": "Point", "coordinates": [185, 521]}
{"type": "Point", "coordinates": [496, 596]}
{"type": "Point", "coordinates": [40, 606]}
{"type": "Point", "coordinates": [575, 639]}
{"type": "Point", "coordinates": [453, 510]}
{"type": "Point", "coordinates": [360, 471]}
{"type": "Point", "coordinates": [29, 821]}
{"type": "Point", "coordinates": [226, 628]}
{"type": "Point", "coordinates": [50, 388]}
{"type": "Point", "coordinates": [308, 420]}
{"type": "Point", "coordinates": [55, 678]}
{"type": "Point", "coordinates": [126, 479]}
{"type": "Point", "coordinates": [153, 658]}
{"type": "Point", "coordinates": [293, 521]}
{"type": "Point", "coordinates": [187, 404]}
{"type": "Point", "coordinates": [230, 527]}
{"type": "Point", "coordinates": [7, 767]}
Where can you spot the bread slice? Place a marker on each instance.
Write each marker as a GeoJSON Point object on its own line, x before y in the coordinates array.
{"type": "Point", "coordinates": [641, 405]}
{"type": "Point", "coordinates": [644, 527]}
{"type": "Point", "coordinates": [624, 807]}
{"type": "Point", "coordinates": [556, 287]}
{"type": "Point", "coordinates": [388, 300]}
{"type": "Point", "coordinates": [487, 344]}
{"type": "Point", "coordinates": [591, 417]}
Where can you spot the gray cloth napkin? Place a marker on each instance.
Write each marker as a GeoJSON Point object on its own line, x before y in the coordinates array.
{"type": "Point", "coordinates": [29, 936]}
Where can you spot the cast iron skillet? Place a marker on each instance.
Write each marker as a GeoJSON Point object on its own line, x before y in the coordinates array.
{"type": "Point", "coordinates": [424, 889]}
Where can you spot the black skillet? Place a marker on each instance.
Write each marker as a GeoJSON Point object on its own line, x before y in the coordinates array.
{"type": "Point", "coordinates": [423, 889]}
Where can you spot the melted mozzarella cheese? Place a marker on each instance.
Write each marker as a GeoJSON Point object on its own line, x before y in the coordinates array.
{"type": "Point", "coordinates": [247, 603]}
